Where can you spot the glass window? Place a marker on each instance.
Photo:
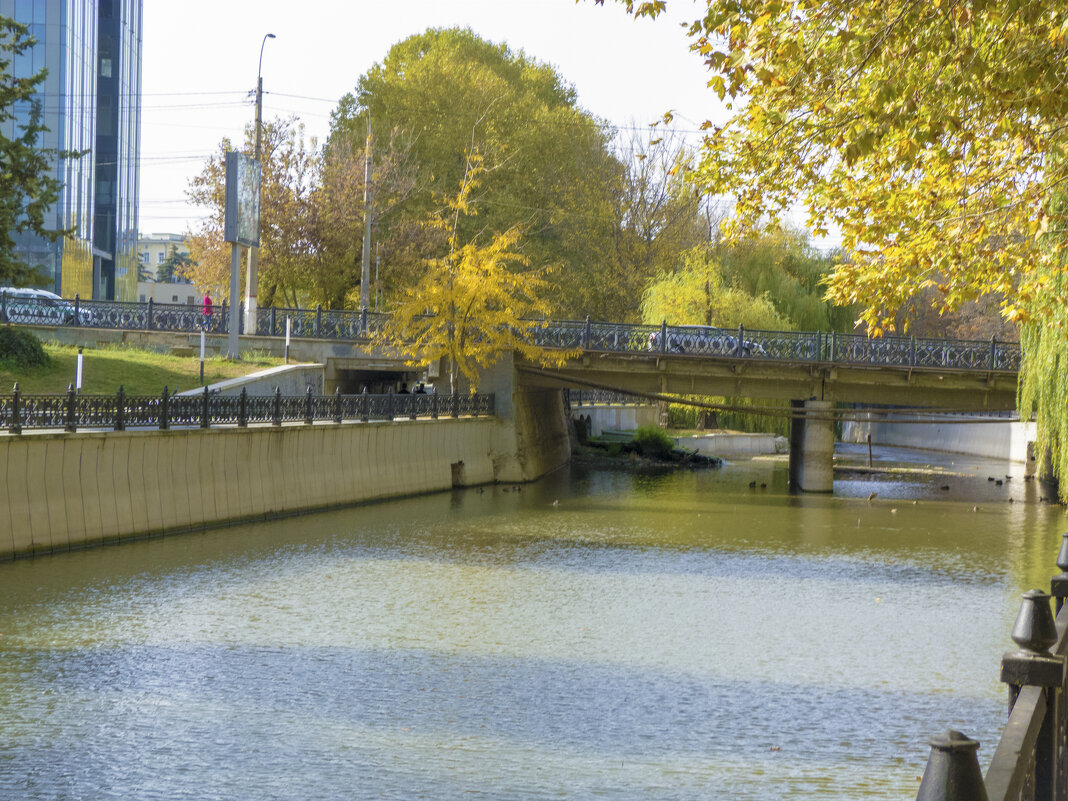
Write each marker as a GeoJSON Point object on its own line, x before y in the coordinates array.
{"type": "Point", "coordinates": [161, 257]}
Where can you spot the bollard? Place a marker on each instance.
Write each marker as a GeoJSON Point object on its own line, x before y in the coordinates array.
{"type": "Point", "coordinates": [1058, 585]}
{"type": "Point", "coordinates": [952, 772]}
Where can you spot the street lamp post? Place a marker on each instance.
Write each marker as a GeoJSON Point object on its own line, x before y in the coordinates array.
{"type": "Point", "coordinates": [253, 260]}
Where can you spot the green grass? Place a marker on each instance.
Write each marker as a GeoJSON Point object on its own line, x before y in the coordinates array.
{"type": "Point", "coordinates": [139, 372]}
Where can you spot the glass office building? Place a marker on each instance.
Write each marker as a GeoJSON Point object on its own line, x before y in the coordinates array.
{"type": "Point", "coordinates": [91, 103]}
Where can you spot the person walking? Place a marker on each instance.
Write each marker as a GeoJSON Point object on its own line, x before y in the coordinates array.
{"type": "Point", "coordinates": [207, 311]}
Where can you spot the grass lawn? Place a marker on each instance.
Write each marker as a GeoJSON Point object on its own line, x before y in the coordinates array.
{"type": "Point", "coordinates": [139, 372]}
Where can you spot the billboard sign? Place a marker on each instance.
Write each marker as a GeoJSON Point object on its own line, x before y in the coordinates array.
{"type": "Point", "coordinates": [242, 223]}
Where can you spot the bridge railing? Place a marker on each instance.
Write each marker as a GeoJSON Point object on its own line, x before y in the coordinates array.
{"type": "Point", "coordinates": [1030, 762]}
{"type": "Point", "coordinates": [73, 411]}
{"type": "Point", "coordinates": [605, 337]}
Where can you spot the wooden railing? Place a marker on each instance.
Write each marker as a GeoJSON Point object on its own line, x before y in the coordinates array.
{"type": "Point", "coordinates": [1031, 760]}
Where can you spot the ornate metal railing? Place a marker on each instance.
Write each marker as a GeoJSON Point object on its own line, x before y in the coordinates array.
{"type": "Point", "coordinates": [73, 411]}
{"type": "Point", "coordinates": [1030, 762]}
{"type": "Point", "coordinates": [590, 397]}
{"type": "Point", "coordinates": [694, 340]}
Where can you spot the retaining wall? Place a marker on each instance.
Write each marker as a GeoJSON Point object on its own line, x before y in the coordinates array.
{"type": "Point", "coordinates": [616, 418]}
{"type": "Point", "coordinates": [61, 491]}
{"type": "Point", "coordinates": [994, 440]}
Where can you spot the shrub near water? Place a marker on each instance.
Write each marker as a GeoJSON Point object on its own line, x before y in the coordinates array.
{"type": "Point", "coordinates": [20, 348]}
{"type": "Point", "coordinates": [653, 443]}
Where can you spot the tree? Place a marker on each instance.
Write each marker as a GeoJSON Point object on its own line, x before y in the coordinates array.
{"type": "Point", "coordinates": [472, 304]}
{"type": "Point", "coordinates": [696, 294]}
{"type": "Point", "coordinates": [553, 170]}
{"type": "Point", "coordinates": [175, 265]}
{"type": "Point", "coordinates": [27, 188]}
{"type": "Point", "coordinates": [930, 134]}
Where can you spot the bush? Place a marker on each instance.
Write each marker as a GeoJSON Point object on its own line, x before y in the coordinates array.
{"type": "Point", "coordinates": [20, 348]}
{"type": "Point", "coordinates": [653, 442]}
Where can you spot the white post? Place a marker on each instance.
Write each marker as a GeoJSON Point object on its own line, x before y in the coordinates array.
{"type": "Point", "coordinates": [78, 373]}
{"type": "Point", "coordinates": [202, 356]}
{"type": "Point", "coordinates": [287, 339]}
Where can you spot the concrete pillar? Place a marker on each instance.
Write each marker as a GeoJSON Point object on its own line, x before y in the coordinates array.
{"type": "Point", "coordinates": [812, 448]}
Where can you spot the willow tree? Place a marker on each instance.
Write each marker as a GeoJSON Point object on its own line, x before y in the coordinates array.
{"type": "Point", "coordinates": [931, 135]}
{"type": "Point", "coordinates": [474, 302]}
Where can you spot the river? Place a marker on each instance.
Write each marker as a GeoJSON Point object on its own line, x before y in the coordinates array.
{"type": "Point", "coordinates": [597, 634]}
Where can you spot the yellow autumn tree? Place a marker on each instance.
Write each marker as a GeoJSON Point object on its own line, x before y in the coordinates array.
{"type": "Point", "coordinates": [473, 303]}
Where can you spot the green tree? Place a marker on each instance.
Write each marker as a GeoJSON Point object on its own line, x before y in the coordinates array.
{"type": "Point", "coordinates": [697, 294]}
{"type": "Point", "coordinates": [472, 304]}
{"type": "Point", "coordinates": [175, 265]}
{"type": "Point", "coordinates": [553, 170]}
{"type": "Point", "coordinates": [27, 188]}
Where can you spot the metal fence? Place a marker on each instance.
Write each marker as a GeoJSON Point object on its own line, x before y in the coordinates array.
{"type": "Point", "coordinates": [73, 411]}
{"type": "Point", "coordinates": [605, 337]}
{"type": "Point", "coordinates": [1030, 762]}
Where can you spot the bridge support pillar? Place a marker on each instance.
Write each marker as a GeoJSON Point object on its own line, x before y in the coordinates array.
{"type": "Point", "coordinates": [812, 446]}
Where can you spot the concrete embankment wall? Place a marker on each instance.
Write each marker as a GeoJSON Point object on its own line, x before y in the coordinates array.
{"type": "Point", "coordinates": [61, 491]}
{"type": "Point", "coordinates": [616, 417]}
{"type": "Point", "coordinates": [994, 440]}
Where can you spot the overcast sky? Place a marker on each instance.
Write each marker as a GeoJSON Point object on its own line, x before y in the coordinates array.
{"type": "Point", "coordinates": [200, 59]}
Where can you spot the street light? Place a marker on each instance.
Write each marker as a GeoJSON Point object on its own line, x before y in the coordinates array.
{"type": "Point", "coordinates": [253, 259]}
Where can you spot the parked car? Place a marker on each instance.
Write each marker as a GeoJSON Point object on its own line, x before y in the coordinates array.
{"type": "Point", "coordinates": [703, 339]}
{"type": "Point", "coordinates": [40, 307]}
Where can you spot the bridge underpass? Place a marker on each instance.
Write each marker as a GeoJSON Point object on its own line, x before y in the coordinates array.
{"type": "Point", "coordinates": [814, 390]}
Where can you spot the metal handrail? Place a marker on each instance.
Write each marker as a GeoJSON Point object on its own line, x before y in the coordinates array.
{"type": "Point", "coordinates": [73, 411]}
{"type": "Point", "coordinates": [602, 337]}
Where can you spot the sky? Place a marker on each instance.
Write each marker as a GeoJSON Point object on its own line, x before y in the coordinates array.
{"type": "Point", "coordinates": [199, 62]}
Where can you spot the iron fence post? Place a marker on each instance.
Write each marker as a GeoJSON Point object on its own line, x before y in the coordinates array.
{"type": "Point", "coordinates": [952, 772]}
{"type": "Point", "coordinates": [242, 408]}
{"type": "Point", "coordinates": [455, 404]}
{"type": "Point", "coordinates": [120, 409]}
{"type": "Point", "coordinates": [831, 355]}
{"type": "Point", "coordinates": [587, 334]}
{"type": "Point", "coordinates": [663, 336]}
{"type": "Point", "coordinates": [1034, 666]}
{"type": "Point", "coordinates": [16, 410]}
{"type": "Point", "coordinates": [308, 419]}
{"type": "Point", "coordinates": [363, 321]}
{"type": "Point", "coordinates": [318, 320]}
{"type": "Point", "coordinates": [273, 321]}
{"type": "Point", "coordinates": [434, 406]}
{"type": "Point", "coordinates": [912, 351]}
{"type": "Point", "coordinates": [337, 405]}
{"type": "Point", "coordinates": [3, 307]}
{"type": "Point", "coordinates": [77, 310]}
{"type": "Point", "coordinates": [276, 410]}
{"type": "Point", "coordinates": [365, 406]}
{"type": "Point", "coordinates": [164, 410]}
{"type": "Point", "coordinates": [205, 418]}
{"type": "Point", "coordinates": [412, 405]}
{"type": "Point", "coordinates": [993, 352]}
{"type": "Point", "coordinates": [148, 316]}
{"type": "Point", "coordinates": [241, 318]}
{"type": "Point", "coordinates": [225, 327]}
{"type": "Point", "coordinates": [741, 338]}
{"type": "Point", "coordinates": [819, 346]}
{"type": "Point", "coordinates": [72, 419]}
{"type": "Point", "coordinates": [389, 404]}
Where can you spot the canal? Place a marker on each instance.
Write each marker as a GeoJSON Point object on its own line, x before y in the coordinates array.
{"type": "Point", "coordinates": [597, 634]}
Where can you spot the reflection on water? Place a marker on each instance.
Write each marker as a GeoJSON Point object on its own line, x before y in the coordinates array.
{"type": "Point", "coordinates": [597, 634]}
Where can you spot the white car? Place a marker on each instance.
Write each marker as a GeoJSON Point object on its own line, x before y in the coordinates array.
{"type": "Point", "coordinates": [40, 307]}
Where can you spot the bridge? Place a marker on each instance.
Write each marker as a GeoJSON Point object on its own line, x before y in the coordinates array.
{"type": "Point", "coordinates": [814, 370]}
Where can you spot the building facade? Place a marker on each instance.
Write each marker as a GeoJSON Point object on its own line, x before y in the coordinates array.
{"type": "Point", "coordinates": [91, 104]}
{"type": "Point", "coordinates": [157, 251]}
